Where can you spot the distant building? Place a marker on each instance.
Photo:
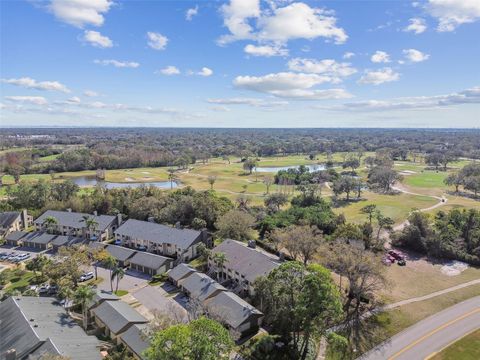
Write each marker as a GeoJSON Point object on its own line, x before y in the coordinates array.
{"type": "Point", "coordinates": [150, 264]}
{"type": "Point", "coordinates": [180, 272]}
{"type": "Point", "coordinates": [160, 239]}
{"type": "Point", "coordinates": [135, 340]}
{"type": "Point", "coordinates": [72, 223]}
{"type": "Point", "coordinates": [200, 286]}
{"type": "Point", "coordinates": [243, 266]}
{"type": "Point", "coordinates": [121, 254]}
{"type": "Point", "coordinates": [38, 240]}
{"type": "Point", "coordinates": [31, 327]}
{"type": "Point", "coordinates": [11, 221]}
{"type": "Point", "coordinates": [65, 240]}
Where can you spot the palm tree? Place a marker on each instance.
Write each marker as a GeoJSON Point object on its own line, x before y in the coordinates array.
{"type": "Point", "coordinates": [111, 263]}
{"type": "Point", "coordinates": [90, 223]}
{"type": "Point", "coordinates": [171, 177]}
{"type": "Point", "coordinates": [83, 296]}
{"type": "Point", "coordinates": [219, 259]}
{"type": "Point", "coordinates": [211, 181]}
{"type": "Point", "coordinates": [117, 273]}
{"type": "Point", "coordinates": [50, 222]}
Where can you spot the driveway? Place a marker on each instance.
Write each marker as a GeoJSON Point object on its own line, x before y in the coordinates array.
{"type": "Point", "coordinates": [128, 282]}
{"type": "Point", "coordinates": [156, 299]}
{"type": "Point", "coordinates": [424, 339]}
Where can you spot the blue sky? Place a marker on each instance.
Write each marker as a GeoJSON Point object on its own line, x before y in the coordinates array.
{"type": "Point", "coordinates": [240, 63]}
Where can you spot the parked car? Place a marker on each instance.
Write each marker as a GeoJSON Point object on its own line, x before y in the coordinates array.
{"type": "Point", "coordinates": [11, 256]}
{"type": "Point", "coordinates": [52, 290]}
{"type": "Point", "coordinates": [86, 276]}
{"type": "Point", "coordinates": [142, 248]}
{"type": "Point", "coordinates": [43, 290]}
{"type": "Point", "coordinates": [402, 262]}
{"type": "Point", "coordinates": [22, 257]}
{"type": "Point", "coordinates": [117, 242]}
{"type": "Point", "coordinates": [396, 254]}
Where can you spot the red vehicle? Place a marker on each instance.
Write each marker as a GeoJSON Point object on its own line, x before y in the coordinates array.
{"type": "Point", "coordinates": [396, 255]}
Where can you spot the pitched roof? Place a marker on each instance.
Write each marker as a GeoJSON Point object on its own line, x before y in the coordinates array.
{"type": "Point", "coordinates": [159, 234]}
{"type": "Point", "coordinates": [119, 252]}
{"type": "Point", "coordinates": [40, 322]}
{"type": "Point", "coordinates": [180, 271]}
{"type": "Point", "coordinates": [135, 340]}
{"type": "Point", "coordinates": [75, 220]}
{"type": "Point", "coordinates": [16, 235]}
{"type": "Point", "coordinates": [97, 245]}
{"type": "Point", "coordinates": [63, 240]}
{"type": "Point", "coordinates": [200, 286]}
{"type": "Point", "coordinates": [249, 262]}
{"type": "Point", "coordinates": [117, 315]}
{"type": "Point", "coordinates": [102, 295]}
{"type": "Point", "coordinates": [8, 218]}
{"type": "Point", "coordinates": [38, 238]}
{"type": "Point", "coordinates": [231, 309]}
{"type": "Point", "coordinates": [148, 260]}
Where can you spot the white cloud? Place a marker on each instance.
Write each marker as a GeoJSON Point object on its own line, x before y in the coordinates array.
{"type": "Point", "coordinates": [80, 12]}
{"type": "Point", "coordinates": [205, 72]}
{"type": "Point", "coordinates": [36, 100]}
{"type": "Point", "coordinates": [469, 96]}
{"type": "Point", "coordinates": [453, 13]}
{"type": "Point", "coordinates": [118, 64]}
{"type": "Point", "coordinates": [90, 93]}
{"type": "Point", "coordinates": [96, 39]}
{"type": "Point", "coordinates": [248, 101]}
{"type": "Point", "coordinates": [156, 40]}
{"type": "Point", "coordinates": [38, 85]}
{"type": "Point", "coordinates": [220, 108]}
{"type": "Point", "coordinates": [169, 70]}
{"type": "Point", "coordinates": [290, 85]}
{"type": "Point", "coordinates": [191, 13]}
{"type": "Point", "coordinates": [377, 77]}
{"type": "Point", "coordinates": [380, 57]}
{"type": "Point", "coordinates": [278, 24]}
{"type": "Point", "coordinates": [265, 50]}
{"type": "Point", "coordinates": [74, 100]}
{"type": "Point", "coordinates": [328, 67]}
{"type": "Point", "coordinates": [417, 26]}
{"type": "Point", "coordinates": [348, 55]}
{"type": "Point", "coordinates": [413, 55]}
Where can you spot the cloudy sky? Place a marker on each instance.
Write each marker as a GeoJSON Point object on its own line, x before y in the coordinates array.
{"type": "Point", "coordinates": [240, 63]}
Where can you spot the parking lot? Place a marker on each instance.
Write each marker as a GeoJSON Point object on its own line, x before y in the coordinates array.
{"type": "Point", "coordinates": [11, 251]}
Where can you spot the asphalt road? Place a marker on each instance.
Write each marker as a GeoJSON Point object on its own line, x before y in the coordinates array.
{"type": "Point", "coordinates": [430, 335]}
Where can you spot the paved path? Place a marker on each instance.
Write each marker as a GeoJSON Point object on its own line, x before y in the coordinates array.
{"type": "Point", "coordinates": [429, 336]}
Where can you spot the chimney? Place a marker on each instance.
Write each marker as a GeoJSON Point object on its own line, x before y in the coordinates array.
{"type": "Point", "coordinates": [95, 213]}
{"type": "Point", "coordinates": [178, 225]}
{"type": "Point", "coordinates": [11, 354]}
{"type": "Point", "coordinates": [119, 219]}
{"type": "Point", "coordinates": [24, 219]}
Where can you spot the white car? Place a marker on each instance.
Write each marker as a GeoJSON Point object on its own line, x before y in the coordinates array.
{"type": "Point", "coordinates": [86, 276]}
{"type": "Point", "coordinates": [22, 257]}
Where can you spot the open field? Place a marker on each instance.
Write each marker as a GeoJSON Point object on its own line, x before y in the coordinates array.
{"type": "Point", "coordinates": [467, 348]}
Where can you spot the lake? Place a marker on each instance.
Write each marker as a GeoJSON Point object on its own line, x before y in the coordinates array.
{"type": "Point", "coordinates": [274, 169]}
{"type": "Point", "coordinates": [90, 181]}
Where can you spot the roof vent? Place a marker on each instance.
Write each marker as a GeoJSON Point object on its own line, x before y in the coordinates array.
{"type": "Point", "coordinates": [32, 319]}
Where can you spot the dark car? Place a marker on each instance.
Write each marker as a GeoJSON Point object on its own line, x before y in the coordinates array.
{"type": "Point", "coordinates": [396, 254]}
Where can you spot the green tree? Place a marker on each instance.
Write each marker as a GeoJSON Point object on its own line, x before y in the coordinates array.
{"type": "Point", "coordinates": [369, 210]}
{"type": "Point", "coordinates": [91, 224]}
{"type": "Point", "coordinates": [211, 180]}
{"type": "Point", "coordinates": [117, 274]}
{"type": "Point", "coordinates": [249, 165]}
{"type": "Point", "coordinates": [50, 223]}
{"type": "Point", "coordinates": [201, 339]}
{"type": "Point", "coordinates": [235, 224]}
{"type": "Point", "coordinates": [111, 264]}
{"type": "Point", "coordinates": [83, 296]}
{"type": "Point", "coordinates": [300, 303]}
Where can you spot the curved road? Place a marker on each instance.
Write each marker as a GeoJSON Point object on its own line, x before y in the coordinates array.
{"type": "Point", "coordinates": [429, 336]}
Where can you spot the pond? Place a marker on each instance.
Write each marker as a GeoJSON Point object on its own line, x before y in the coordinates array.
{"type": "Point", "coordinates": [275, 169]}
{"type": "Point", "coordinates": [89, 181]}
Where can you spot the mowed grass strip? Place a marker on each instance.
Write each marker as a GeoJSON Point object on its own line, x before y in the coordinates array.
{"type": "Point", "coordinates": [467, 348]}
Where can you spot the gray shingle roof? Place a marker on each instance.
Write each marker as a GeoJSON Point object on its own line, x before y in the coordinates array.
{"type": "Point", "coordinates": [8, 218]}
{"type": "Point", "coordinates": [159, 234]}
{"type": "Point", "coordinates": [231, 308]}
{"type": "Point", "coordinates": [117, 315]}
{"type": "Point", "coordinates": [102, 295]}
{"type": "Point", "coordinates": [135, 340]}
{"type": "Point", "coordinates": [247, 261]}
{"type": "Point", "coordinates": [29, 322]}
{"type": "Point", "coordinates": [97, 245]}
{"type": "Point", "coordinates": [15, 235]}
{"type": "Point", "coordinates": [75, 220]}
{"type": "Point", "coordinates": [200, 286]}
{"type": "Point", "coordinates": [148, 260]}
{"type": "Point", "coordinates": [64, 240]}
{"type": "Point", "coordinates": [38, 238]}
{"type": "Point", "coordinates": [180, 271]}
{"type": "Point", "coordinates": [119, 252]}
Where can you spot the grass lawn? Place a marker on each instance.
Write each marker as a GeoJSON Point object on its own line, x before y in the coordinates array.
{"type": "Point", "coordinates": [48, 158]}
{"type": "Point", "coordinates": [467, 348]}
{"type": "Point", "coordinates": [18, 279]}
{"type": "Point", "coordinates": [420, 277]}
{"type": "Point", "coordinates": [120, 292]}
{"type": "Point", "coordinates": [426, 179]}
{"type": "Point", "coordinates": [395, 206]}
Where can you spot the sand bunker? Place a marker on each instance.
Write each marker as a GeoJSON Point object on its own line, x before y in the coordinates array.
{"type": "Point", "coordinates": [146, 172]}
{"type": "Point", "coordinates": [453, 268]}
{"type": "Point", "coordinates": [129, 179]}
{"type": "Point", "coordinates": [407, 172]}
